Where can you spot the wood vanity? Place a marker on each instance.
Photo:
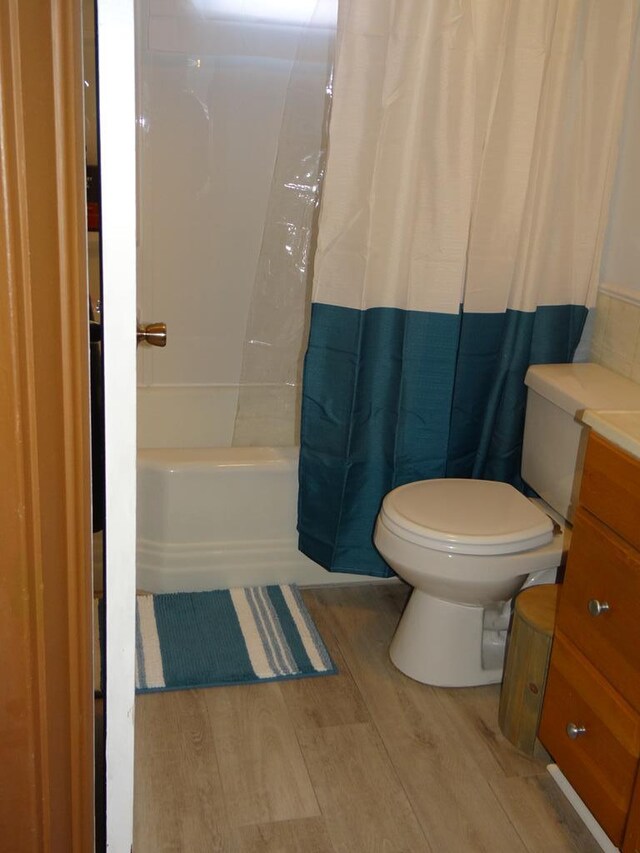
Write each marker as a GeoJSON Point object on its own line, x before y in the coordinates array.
{"type": "Point", "coordinates": [591, 714]}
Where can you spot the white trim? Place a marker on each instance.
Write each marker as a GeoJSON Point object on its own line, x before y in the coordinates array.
{"type": "Point", "coordinates": [616, 291]}
{"type": "Point", "coordinates": [582, 811]}
{"type": "Point", "coordinates": [116, 65]}
{"type": "Point", "coordinates": [164, 567]}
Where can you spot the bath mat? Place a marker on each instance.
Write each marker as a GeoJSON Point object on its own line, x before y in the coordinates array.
{"type": "Point", "coordinates": [228, 636]}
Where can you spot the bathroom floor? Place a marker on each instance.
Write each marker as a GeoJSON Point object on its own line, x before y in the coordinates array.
{"type": "Point", "coordinates": [364, 761]}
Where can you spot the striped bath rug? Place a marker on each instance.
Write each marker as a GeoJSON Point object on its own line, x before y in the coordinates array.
{"type": "Point", "coordinates": [227, 636]}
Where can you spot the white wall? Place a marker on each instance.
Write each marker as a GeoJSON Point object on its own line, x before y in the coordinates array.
{"type": "Point", "coordinates": [621, 256]}
{"type": "Point", "coordinates": [212, 90]}
{"type": "Point", "coordinates": [616, 330]}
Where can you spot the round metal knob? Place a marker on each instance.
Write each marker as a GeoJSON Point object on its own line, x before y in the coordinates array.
{"type": "Point", "coordinates": [574, 731]}
{"type": "Point", "coordinates": [154, 334]}
{"type": "Point", "coordinates": [597, 608]}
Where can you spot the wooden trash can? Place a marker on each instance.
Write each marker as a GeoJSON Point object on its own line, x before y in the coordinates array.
{"type": "Point", "coordinates": [525, 672]}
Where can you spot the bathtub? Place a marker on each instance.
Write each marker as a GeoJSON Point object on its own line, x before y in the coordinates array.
{"type": "Point", "coordinates": [217, 517]}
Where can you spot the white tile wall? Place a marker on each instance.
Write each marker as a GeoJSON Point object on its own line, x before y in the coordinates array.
{"type": "Point", "coordinates": [616, 338]}
{"type": "Point", "coordinates": [616, 335]}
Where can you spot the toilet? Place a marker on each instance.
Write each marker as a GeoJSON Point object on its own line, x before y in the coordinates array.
{"type": "Point", "coordinates": [468, 546]}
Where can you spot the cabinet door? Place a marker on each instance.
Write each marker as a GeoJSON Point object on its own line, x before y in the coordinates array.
{"type": "Point", "coordinates": [610, 488]}
{"type": "Point", "coordinates": [598, 606]}
{"type": "Point", "coordinates": [592, 734]}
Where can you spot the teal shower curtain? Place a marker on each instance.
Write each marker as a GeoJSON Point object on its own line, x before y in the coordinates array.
{"type": "Point", "coordinates": [471, 154]}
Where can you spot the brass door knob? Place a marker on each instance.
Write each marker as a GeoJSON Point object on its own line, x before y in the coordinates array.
{"type": "Point", "coordinates": [153, 334]}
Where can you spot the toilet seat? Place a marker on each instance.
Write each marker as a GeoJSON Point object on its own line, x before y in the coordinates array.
{"type": "Point", "coordinates": [480, 517]}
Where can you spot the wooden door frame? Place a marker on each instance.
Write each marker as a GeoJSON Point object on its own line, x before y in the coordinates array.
{"type": "Point", "coordinates": [46, 697]}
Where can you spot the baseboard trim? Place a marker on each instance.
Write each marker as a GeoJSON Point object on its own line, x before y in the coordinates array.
{"type": "Point", "coordinates": [582, 811]}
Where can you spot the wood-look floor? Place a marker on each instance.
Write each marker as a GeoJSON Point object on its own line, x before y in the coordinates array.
{"type": "Point", "coordinates": [361, 762]}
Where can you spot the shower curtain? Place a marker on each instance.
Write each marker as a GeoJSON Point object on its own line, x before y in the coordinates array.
{"type": "Point", "coordinates": [472, 146]}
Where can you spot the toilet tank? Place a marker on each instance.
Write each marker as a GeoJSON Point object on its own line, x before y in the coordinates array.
{"type": "Point", "coordinates": [553, 438]}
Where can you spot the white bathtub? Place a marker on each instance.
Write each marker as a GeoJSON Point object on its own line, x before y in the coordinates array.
{"type": "Point", "coordinates": [210, 518]}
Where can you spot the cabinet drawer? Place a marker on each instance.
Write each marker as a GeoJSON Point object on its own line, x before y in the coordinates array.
{"type": "Point", "coordinates": [603, 569]}
{"type": "Point", "coordinates": [600, 763]}
{"type": "Point", "coordinates": [610, 488]}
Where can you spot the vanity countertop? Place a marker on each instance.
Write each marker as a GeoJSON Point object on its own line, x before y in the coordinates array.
{"type": "Point", "coordinates": [621, 428]}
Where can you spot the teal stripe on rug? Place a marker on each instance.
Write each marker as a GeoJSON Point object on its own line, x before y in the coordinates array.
{"type": "Point", "coordinates": [200, 639]}
{"type": "Point", "coordinates": [190, 640]}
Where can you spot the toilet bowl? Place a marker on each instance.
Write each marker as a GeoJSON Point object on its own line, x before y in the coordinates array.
{"type": "Point", "coordinates": [468, 546]}
{"type": "Point", "coordinates": [465, 546]}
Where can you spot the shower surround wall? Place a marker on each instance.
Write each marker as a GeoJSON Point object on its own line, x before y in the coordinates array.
{"type": "Point", "coordinates": [213, 91]}
{"type": "Point", "coordinates": [223, 109]}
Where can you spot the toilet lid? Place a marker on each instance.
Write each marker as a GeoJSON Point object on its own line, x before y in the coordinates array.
{"type": "Point", "coordinates": [466, 517]}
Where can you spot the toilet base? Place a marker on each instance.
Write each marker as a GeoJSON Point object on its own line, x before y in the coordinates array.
{"type": "Point", "coordinates": [440, 643]}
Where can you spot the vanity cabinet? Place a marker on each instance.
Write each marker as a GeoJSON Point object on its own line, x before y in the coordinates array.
{"type": "Point", "coordinates": [591, 714]}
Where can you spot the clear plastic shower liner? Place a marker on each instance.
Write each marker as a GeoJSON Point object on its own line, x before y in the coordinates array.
{"type": "Point", "coordinates": [277, 324]}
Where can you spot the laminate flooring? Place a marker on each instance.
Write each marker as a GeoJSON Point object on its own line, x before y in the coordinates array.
{"type": "Point", "coordinates": [366, 761]}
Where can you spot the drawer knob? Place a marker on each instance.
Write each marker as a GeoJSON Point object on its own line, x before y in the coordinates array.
{"type": "Point", "coordinates": [574, 731]}
{"type": "Point", "coordinates": [597, 608]}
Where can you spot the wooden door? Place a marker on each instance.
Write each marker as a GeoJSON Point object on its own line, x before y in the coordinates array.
{"type": "Point", "coordinates": [46, 698]}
